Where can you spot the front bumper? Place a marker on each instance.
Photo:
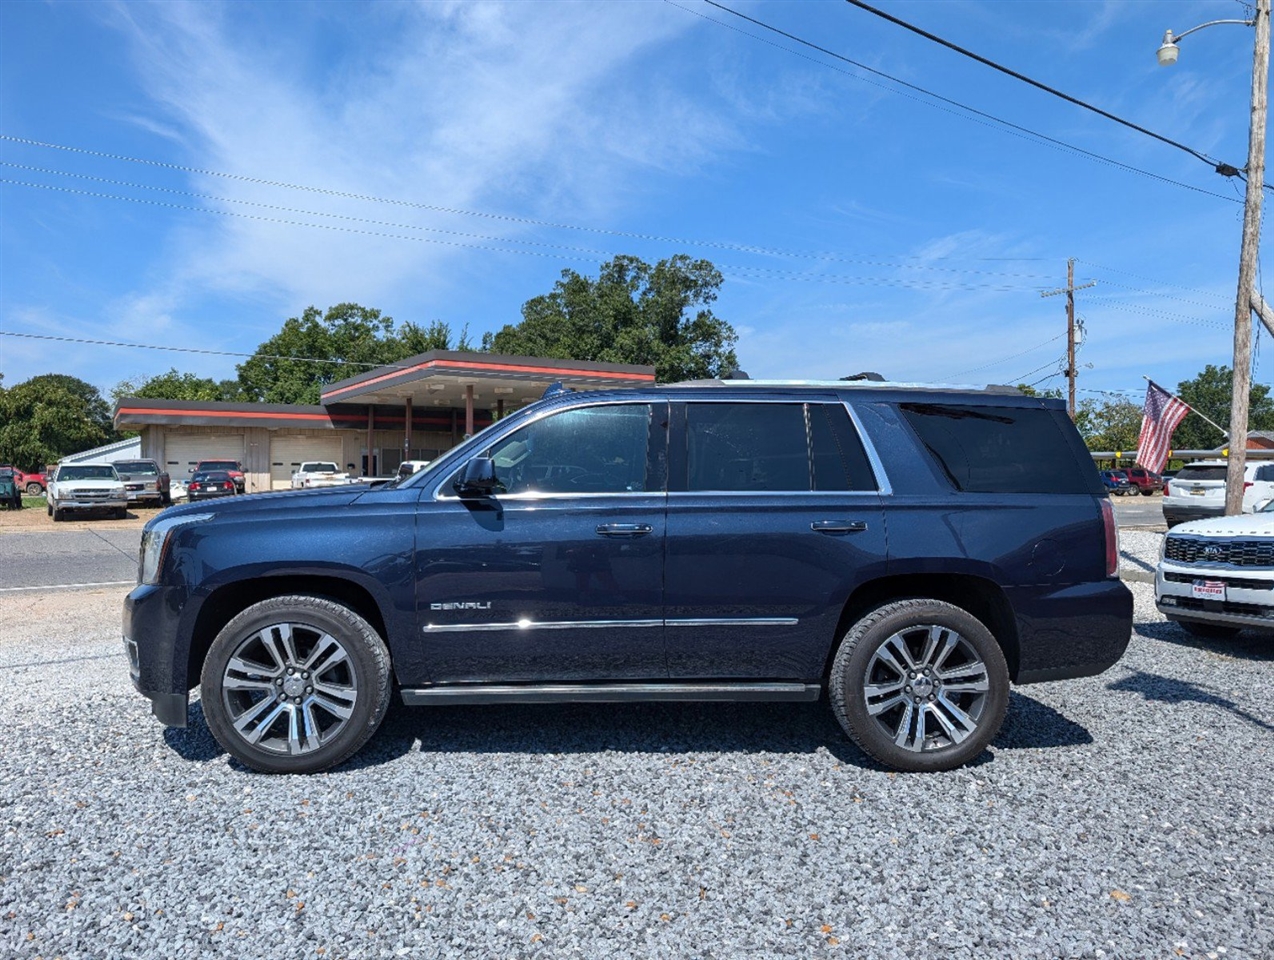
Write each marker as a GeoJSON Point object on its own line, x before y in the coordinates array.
{"type": "Point", "coordinates": [1249, 595]}
{"type": "Point", "coordinates": [91, 504]}
{"type": "Point", "coordinates": [157, 661]}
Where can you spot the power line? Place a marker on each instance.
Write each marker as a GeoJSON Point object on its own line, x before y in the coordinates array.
{"type": "Point", "coordinates": [1225, 169]}
{"type": "Point", "coordinates": [760, 273]}
{"type": "Point", "coordinates": [1009, 127]}
{"type": "Point", "coordinates": [413, 204]}
{"type": "Point", "coordinates": [996, 363]}
{"type": "Point", "coordinates": [819, 257]}
{"type": "Point", "coordinates": [211, 353]}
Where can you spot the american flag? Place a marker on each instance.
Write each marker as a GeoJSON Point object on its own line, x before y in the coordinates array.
{"type": "Point", "coordinates": [1162, 414]}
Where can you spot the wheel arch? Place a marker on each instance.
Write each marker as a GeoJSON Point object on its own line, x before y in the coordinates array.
{"type": "Point", "coordinates": [231, 599]}
{"type": "Point", "coordinates": [978, 596]}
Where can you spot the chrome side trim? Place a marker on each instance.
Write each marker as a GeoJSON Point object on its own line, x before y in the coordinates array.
{"type": "Point", "coordinates": [526, 624]}
{"type": "Point", "coordinates": [545, 625]}
{"type": "Point", "coordinates": [735, 622]}
{"type": "Point", "coordinates": [885, 488]}
{"type": "Point", "coordinates": [608, 692]}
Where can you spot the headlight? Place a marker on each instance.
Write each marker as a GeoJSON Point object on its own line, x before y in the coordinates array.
{"type": "Point", "coordinates": [155, 541]}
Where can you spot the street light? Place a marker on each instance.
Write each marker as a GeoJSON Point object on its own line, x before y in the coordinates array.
{"type": "Point", "coordinates": [1168, 51]}
{"type": "Point", "coordinates": [1255, 175]}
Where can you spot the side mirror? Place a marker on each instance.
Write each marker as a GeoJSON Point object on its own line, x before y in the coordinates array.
{"type": "Point", "coordinates": [478, 477]}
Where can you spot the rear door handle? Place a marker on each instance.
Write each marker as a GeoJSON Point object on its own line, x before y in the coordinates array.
{"type": "Point", "coordinates": [838, 526]}
{"type": "Point", "coordinates": [624, 529]}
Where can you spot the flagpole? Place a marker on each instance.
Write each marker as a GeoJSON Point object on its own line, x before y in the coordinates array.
{"type": "Point", "coordinates": [1224, 433]}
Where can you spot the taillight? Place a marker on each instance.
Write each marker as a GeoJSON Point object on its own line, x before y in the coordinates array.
{"type": "Point", "coordinates": [1112, 538]}
{"type": "Point", "coordinates": [1166, 485]}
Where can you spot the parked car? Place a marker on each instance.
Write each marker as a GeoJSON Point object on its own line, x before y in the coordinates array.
{"type": "Point", "coordinates": [1117, 482]}
{"type": "Point", "coordinates": [318, 473]}
{"type": "Point", "coordinates": [85, 486]}
{"type": "Point", "coordinates": [1216, 576]}
{"type": "Point", "coordinates": [145, 481]}
{"type": "Point", "coordinates": [1198, 490]}
{"type": "Point", "coordinates": [10, 491]}
{"type": "Point", "coordinates": [232, 467]}
{"type": "Point", "coordinates": [207, 484]}
{"type": "Point", "coordinates": [408, 467]}
{"type": "Point", "coordinates": [1145, 481]}
{"type": "Point", "coordinates": [705, 541]}
{"type": "Point", "coordinates": [33, 484]}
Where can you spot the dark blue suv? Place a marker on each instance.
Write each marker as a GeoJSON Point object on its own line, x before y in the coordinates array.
{"type": "Point", "coordinates": [910, 551]}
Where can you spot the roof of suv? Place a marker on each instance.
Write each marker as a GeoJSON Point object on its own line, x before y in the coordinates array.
{"type": "Point", "coordinates": [874, 385]}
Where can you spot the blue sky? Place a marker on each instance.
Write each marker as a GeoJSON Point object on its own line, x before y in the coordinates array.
{"type": "Point", "coordinates": [860, 226]}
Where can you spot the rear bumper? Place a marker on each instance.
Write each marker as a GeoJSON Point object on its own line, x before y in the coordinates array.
{"type": "Point", "coordinates": [1066, 632]}
{"type": "Point", "coordinates": [1174, 511]}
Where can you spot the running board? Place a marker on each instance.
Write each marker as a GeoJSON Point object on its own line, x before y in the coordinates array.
{"type": "Point", "coordinates": [606, 692]}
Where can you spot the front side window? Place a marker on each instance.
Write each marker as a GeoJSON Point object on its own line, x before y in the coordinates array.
{"type": "Point", "coordinates": [599, 449]}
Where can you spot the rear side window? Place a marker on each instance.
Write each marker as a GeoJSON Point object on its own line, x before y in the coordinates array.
{"type": "Point", "coordinates": [998, 449]}
{"type": "Point", "coordinates": [1202, 472]}
{"type": "Point", "coordinates": [1265, 472]}
{"type": "Point", "coordinates": [773, 447]}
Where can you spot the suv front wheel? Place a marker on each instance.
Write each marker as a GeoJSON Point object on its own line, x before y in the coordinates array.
{"type": "Point", "coordinates": [920, 685]}
{"type": "Point", "coordinates": [295, 684]}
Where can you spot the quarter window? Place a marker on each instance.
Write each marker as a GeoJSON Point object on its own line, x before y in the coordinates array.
{"type": "Point", "coordinates": [588, 450]}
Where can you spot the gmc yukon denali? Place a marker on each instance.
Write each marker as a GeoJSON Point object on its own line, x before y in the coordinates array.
{"type": "Point", "coordinates": [907, 551]}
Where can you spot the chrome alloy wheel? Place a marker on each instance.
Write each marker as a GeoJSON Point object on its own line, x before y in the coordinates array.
{"type": "Point", "coordinates": [926, 687]}
{"type": "Point", "coordinates": [289, 688]}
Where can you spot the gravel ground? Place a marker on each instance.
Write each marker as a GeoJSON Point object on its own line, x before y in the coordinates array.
{"type": "Point", "coordinates": [1126, 815]}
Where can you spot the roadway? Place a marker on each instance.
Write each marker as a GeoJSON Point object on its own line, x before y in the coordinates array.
{"type": "Point", "coordinates": [41, 555]}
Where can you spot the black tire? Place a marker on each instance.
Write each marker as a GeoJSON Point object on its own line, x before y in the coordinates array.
{"type": "Point", "coordinates": [364, 669]}
{"type": "Point", "coordinates": [166, 500]}
{"type": "Point", "coordinates": [34, 489]}
{"type": "Point", "coordinates": [911, 622]}
{"type": "Point", "coordinates": [1148, 492]}
{"type": "Point", "coordinates": [57, 515]}
{"type": "Point", "coordinates": [1208, 631]}
{"type": "Point", "coordinates": [121, 513]}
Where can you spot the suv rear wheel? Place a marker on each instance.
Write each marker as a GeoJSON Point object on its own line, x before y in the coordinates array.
{"type": "Point", "coordinates": [920, 685]}
{"type": "Point", "coordinates": [295, 684]}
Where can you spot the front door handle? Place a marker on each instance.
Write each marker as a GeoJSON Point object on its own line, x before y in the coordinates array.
{"type": "Point", "coordinates": [624, 529]}
{"type": "Point", "coordinates": [838, 526]}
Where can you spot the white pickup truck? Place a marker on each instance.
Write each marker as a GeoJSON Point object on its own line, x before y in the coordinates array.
{"type": "Point", "coordinates": [85, 486]}
{"type": "Point", "coordinates": [318, 473]}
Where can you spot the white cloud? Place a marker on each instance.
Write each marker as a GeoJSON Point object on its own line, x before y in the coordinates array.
{"type": "Point", "coordinates": [532, 108]}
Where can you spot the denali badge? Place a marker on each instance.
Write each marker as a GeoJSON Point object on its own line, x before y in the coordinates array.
{"type": "Point", "coordinates": [461, 605]}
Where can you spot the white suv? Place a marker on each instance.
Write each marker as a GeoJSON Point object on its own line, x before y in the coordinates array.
{"type": "Point", "coordinates": [1216, 577]}
{"type": "Point", "coordinates": [1198, 490]}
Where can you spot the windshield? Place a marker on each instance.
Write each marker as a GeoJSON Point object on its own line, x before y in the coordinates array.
{"type": "Point", "coordinates": [88, 472]}
{"type": "Point", "coordinates": [144, 467]}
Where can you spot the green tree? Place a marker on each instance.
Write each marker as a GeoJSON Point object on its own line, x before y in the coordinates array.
{"type": "Point", "coordinates": [630, 313]}
{"type": "Point", "coordinates": [1209, 393]}
{"type": "Point", "coordinates": [1109, 424]}
{"type": "Point", "coordinates": [343, 342]}
{"type": "Point", "coordinates": [49, 416]}
{"type": "Point", "coordinates": [173, 386]}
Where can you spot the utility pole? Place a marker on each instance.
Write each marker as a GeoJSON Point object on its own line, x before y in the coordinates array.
{"type": "Point", "coordinates": [1069, 290]}
{"type": "Point", "coordinates": [1255, 172]}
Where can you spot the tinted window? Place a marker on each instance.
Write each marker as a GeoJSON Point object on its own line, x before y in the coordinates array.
{"type": "Point", "coordinates": [143, 467]}
{"type": "Point", "coordinates": [747, 447]}
{"type": "Point", "coordinates": [1201, 472]}
{"type": "Point", "coordinates": [840, 463]}
{"type": "Point", "coordinates": [1265, 472]}
{"type": "Point", "coordinates": [998, 449]}
{"type": "Point", "coordinates": [591, 450]}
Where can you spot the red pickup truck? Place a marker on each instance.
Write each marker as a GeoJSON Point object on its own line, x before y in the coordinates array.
{"type": "Point", "coordinates": [33, 484]}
